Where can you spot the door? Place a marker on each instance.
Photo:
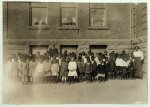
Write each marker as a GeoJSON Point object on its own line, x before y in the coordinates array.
{"type": "Point", "coordinates": [98, 48]}
{"type": "Point", "coordinates": [69, 48]}
{"type": "Point", "coordinates": [41, 48]}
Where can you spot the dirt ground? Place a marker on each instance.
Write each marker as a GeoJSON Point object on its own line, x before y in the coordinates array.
{"type": "Point", "coordinates": [110, 92]}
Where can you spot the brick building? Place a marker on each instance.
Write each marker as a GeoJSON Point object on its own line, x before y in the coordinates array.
{"type": "Point", "coordinates": [32, 26]}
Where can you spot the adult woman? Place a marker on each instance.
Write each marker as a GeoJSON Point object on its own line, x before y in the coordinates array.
{"type": "Point", "coordinates": [138, 57]}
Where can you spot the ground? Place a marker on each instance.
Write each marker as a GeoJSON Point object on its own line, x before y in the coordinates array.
{"type": "Point", "coordinates": [110, 92]}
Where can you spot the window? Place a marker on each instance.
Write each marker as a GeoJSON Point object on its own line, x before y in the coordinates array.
{"type": "Point", "coordinates": [69, 14]}
{"type": "Point", "coordinates": [39, 14]}
{"type": "Point", "coordinates": [98, 15]}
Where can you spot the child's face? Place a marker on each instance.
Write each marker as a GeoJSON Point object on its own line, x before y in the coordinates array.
{"type": "Point", "coordinates": [88, 59]}
{"type": "Point", "coordinates": [72, 59]}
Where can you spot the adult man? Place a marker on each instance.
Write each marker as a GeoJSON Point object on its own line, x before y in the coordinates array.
{"type": "Point", "coordinates": [138, 58]}
{"type": "Point", "coordinates": [53, 51]}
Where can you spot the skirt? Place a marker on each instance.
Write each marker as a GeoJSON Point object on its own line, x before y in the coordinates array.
{"type": "Point", "coordinates": [72, 73]}
{"type": "Point", "coordinates": [64, 73]}
{"type": "Point", "coordinates": [138, 67]}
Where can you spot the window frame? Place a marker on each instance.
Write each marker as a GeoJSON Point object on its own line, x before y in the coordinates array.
{"type": "Point", "coordinates": [68, 27]}
{"type": "Point", "coordinates": [105, 27]}
{"type": "Point", "coordinates": [36, 27]}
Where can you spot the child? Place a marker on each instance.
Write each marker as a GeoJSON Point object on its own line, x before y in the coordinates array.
{"type": "Point", "coordinates": [47, 73]}
{"type": "Point", "coordinates": [14, 69]}
{"type": "Point", "coordinates": [132, 67]}
{"type": "Point", "coordinates": [88, 70]}
{"type": "Point", "coordinates": [101, 71]}
{"type": "Point", "coordinates": [125, 68]}
{"type": "Point", "coordinates": [72, 67]}
{"type": "Point", "coordinates": [106, 68]}
{"type": "Point", "coordinates": [64, 70]}
{"type": "Point", "coordinates": [55, 71]}
{"type": "Point", "coordinates": [32, 67]}
{"type": "Point", "coordinates": [111, 65]}
{"type": "Point", "coordinates": [119, 66]}
{"type": "Point", "coordinates": [39, 70]}
{"type": "Point", "coordinates": [24, 68]}
{"type": "Point", "coordinates": [93, 63]}
{"type": "Point", "coordinates": [8, 68]}
{"type": "Point", "coordinates": [80, 65]}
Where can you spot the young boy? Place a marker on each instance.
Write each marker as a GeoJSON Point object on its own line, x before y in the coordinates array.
{"type": "Point", "coordinates": [72, 67]}
{"type": "Point", "coordinates": [88, 70]}
{"type": "Point", "coordinates": [93, 63]}
{"type": "Point", "coordinates": [80, 65]}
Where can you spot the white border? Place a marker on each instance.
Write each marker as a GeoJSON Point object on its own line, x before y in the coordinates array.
{"type": "Point", "coordinates": [73, 105]}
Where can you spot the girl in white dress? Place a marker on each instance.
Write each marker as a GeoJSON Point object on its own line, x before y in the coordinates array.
{"type": "Point", "coordinates": [55, 70]}
{"type": "Point", "coordinates": [72, 67]}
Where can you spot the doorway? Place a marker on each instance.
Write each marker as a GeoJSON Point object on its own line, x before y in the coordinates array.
{"type": "Point", "coordinates": [97, 48]}
{"type": "Point", "coordinates": [41, 48]}
{"type": "Point", "coordinates": [69, 48]}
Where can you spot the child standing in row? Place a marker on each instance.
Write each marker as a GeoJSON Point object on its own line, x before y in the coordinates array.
{"type": "Point", "coordinates": [88, 70]}
{"type": "Point", "coordinates": [64, 69]}
{"type": "Point", "coordinates": [24, 68]}
{"type": "Point", "coordinates": [72, 67]}
{"type": "Point", "coordinates": [32, 68]}
{"type": "Point", "coordinates": [81, 70]}
{"type": "Point", "coordinates": [55, 70]}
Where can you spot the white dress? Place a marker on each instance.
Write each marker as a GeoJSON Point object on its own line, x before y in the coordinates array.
{"type": "Point", "coordinates": [72, 66]}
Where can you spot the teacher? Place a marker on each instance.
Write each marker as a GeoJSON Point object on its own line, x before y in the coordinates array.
{"type": "Point", "coordinates": [53, 51]}
{"type": "Point", "coordinates": [138, 58]}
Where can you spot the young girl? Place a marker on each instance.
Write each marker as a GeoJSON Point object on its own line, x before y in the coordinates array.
{"type": "Point", "coordinates": [119, 66]}
{"type": "Point", "coordinates": [64, 70]}
{"type": "Point", "coordinates": [101, 71]}
{"type": "Point", "coordinates": [80, 65]}
{"type": "Point", "coordinates": [32, 67]}
{"type": "Point", "coordinates": [88, 70]}
{"type": "Point", "coordinates": [24, 68]}
{"type": "Point", "coordinates": [93, 73]}
{"type": "Point", "coordinates": [72, 67]}
{"type": "Point", "coordinates": [8, 67]}
{"type": "Point", "coordinates": [132, 67]}
{"type": "Point", "coordinates": [55, 70]}
{"type": "Point", "coordinates": [125, 68]}
{"type": "Point", "coordinates": [47, 73]}
{"type": "Point", "coordinates": [14, 69]}
{"type": "Point", "coordinates": [39, 70]}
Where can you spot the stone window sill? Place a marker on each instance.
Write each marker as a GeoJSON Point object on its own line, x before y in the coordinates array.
{"type": "Point", "coordinates": [39, 27]}
{"type": "Point", "coordinates": [98, 28]}
{"type": "Point", "coordinates": [69, 27]}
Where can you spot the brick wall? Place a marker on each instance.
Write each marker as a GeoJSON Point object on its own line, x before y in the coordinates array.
{"type": "Point", "coordinates": [141, 32]}
{"type": "Point", "coordinates": [118, 19]}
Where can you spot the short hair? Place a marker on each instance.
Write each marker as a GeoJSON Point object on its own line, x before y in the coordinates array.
{"type": "Point", "coordinates": [137, 47]}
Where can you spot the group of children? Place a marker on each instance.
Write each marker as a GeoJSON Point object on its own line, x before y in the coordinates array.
{"type": "Point", "coordinates": [70, 68]}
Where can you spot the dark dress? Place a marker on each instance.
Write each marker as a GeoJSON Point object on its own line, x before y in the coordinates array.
{"type": "Point", "coordinates": [81, 67]}
{"type": "Point", "coordinates": [53, 51]}
{"type": "Point", "coordinates": [94, 66]}
{"type": "Point", "coordinates": [138, 67]}
{"type": "Point", "coordinates": [88, 68]}
{"type": "Point", "coordinates": [64, 68]}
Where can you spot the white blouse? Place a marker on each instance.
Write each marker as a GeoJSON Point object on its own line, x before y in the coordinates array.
{"type": "Point", "coordinates": [119, 62]}
{"type": "Point", "coordinates": [138, 54]}
{"type": "Point", "coordinates": [72, 66]}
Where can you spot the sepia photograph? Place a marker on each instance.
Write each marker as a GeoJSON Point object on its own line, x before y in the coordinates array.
{"type": "Point", "coordinates": [74, 52]}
